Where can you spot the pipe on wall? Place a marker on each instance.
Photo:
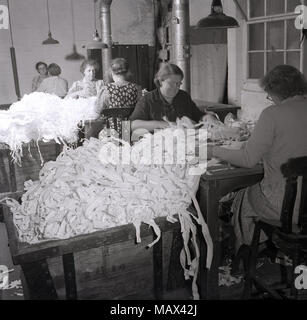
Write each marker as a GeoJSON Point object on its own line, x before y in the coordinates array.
{"type": "Point", "coordinates": [106, 36]}
{"type": "Point", "coordinates": [180, 47]}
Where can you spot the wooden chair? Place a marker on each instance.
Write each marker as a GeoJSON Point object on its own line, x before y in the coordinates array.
{"type": "Point", "coordinates": [117, 119]}
{"type": "Point", "coordinates": [292, 239]}
{"type": "Point", "coordinates": [113, 118]}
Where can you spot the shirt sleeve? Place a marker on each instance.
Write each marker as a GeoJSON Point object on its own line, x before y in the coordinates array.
{"type": "Point", "coordinates": [255, 148]}
{"type": "Point", "coordinates": [64, 88]}
{"type": "Point", "coordinates": [73, 88]}
{"type": "Point", "coordinates": [105, 99]}
{"type": "Point", "coordinates": [99, 86]}
{"type": "Point", "coordinates": [66, 85]}
{"type": "Point", "coordinates": [141, 111]}
{"type": "Point", "coordinates": [42, 87]}
{"type": "Point", "coordinates": [34, 84]}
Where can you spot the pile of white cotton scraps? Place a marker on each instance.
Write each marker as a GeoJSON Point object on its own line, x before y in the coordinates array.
{"type": "Point", "coordinates": [83, 191]}
{"type": "Point", "coordinates": [217, 130]}
{"type": "Point", "coordinates": [41, 116]}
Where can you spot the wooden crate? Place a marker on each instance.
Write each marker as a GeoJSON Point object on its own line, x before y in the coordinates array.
{"type": "Point", "coordinates": [13, 176]}
{"type": "Point", "coordinates": [107, 264]}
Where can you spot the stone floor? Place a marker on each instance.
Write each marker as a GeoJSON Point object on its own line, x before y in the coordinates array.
{"type": "Point", "coordinates": [270, 271]}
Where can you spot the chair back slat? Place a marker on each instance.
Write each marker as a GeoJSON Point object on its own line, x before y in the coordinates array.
{"type": "Point", "coordinates": [294, 168]}
{"type": "Point", "coordinates": [303, 207]}
{"type": "Point", "coordinates": [288, 205]}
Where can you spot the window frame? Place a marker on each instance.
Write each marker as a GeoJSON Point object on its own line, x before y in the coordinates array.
{"type": "Point", "coordinates": [265, 20]}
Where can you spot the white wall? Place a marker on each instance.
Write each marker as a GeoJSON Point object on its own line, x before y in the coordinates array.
{"type": "Point", "coordinates": [242, 92]}
{"type": "Point", "coordinates": [132, 22]}
{"type": "Point", "coordinates": [29, 28]}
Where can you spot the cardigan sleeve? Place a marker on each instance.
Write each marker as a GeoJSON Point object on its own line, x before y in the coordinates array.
{"type": "Point", "coordinates": [141, 111]}
{"type": "Point", "coordinates": [255, 148]}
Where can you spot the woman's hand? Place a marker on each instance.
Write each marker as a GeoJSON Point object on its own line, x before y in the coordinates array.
{"type": "Point", "coordinates": [162, 125]}
{"type": "Point", "coordinates": [149, 125]}
{"type": "Point", "coordinates": [205, 152]}
{"type": "Point", "coordinates": [89, 89]}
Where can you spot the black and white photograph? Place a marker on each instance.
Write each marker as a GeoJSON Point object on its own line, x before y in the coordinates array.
{"type": "Point", "coordinates": [153, 153]}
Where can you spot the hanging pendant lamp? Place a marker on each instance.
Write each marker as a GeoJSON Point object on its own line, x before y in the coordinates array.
{"type": "Point", "coordinates": [49, 40]}
{"type": "Point", "coordinates": [217, 19]}
{"type": "Point", "coordinates": [74, 55]}
{"type": "Point", "coordinates": [96, 42]}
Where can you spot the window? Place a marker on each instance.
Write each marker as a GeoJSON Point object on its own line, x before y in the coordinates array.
{"type": "Point", "coordinates": [272, 36]}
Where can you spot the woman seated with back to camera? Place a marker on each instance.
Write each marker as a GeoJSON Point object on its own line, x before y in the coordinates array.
{"type": "Point", "coordinates": [167, 101]}
{"type": "Point", "coordinates": [120, 92]}
{"type": "Point", "coordinates": [88, 86]}
{"type": "Point", "coordinates": [280, 134]}
{"type": "Point", "coordinates": [54, 84]}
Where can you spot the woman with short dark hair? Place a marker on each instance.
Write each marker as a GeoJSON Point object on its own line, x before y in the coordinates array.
{"type": "Point", "coordinates": [167, 101]}
{"type": "Point", "coordinates": [88, 86]}
{"type": "Point", "coordinates": [280, 134]}
{"type": "Point", "coordinates": [41, 68]}
{"type": "Point", "coordinates": [54, 84]}
{"type": "Point", "coordinates": [283, 82]}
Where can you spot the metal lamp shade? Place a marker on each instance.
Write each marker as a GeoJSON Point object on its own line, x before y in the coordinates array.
{"type": "Point", "coordinates": [96, 43]}
{"type": "Point", "coordinates": [75, 55]}
{"type": "Point", "coordinates": [50, 40]}
{"type": "Point", "coordinates": [217, 19]}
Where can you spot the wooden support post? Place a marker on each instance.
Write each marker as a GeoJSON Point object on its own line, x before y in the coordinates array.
{"type": "Point", "coordinates": [158, 269]}
{"type": "Point", "coordinates": [70, 276]}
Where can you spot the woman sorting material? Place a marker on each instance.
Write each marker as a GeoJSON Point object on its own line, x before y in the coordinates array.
{"type": "Point", "coordinates": [41, 68]}
{"type": "Point", "coordinates": [54, 84]}
{"type": "Point", "coordinates": [280, 134]}
{"type": "Point", "coordinates": [120, 93]}
{"type": "Point", "coordinates": [166, 101]}
{"type": "Point", "coordinates": [88, 86]}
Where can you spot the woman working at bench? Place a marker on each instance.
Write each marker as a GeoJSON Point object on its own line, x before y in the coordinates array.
{"type": "Point", "coordinates": [88, 86]}
{"type": "Point", "coordinates": [280, 134]}
{"type": "Point", "coordinates": [165, 101]}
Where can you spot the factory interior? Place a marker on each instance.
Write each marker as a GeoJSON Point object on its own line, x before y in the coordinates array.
{"type": "Point", "coordinates": [153, 150]}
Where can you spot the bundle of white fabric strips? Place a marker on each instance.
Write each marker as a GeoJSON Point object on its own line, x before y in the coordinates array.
{"type": "Point", "coordinates": [43, 117]}
{"type": "Point", "coordinates": [90, 188]}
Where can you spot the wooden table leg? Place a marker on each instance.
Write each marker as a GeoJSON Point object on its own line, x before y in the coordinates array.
{"type": "Point", "coordinates": [209, 207]}
{"type": "Point", "coordinates": [70, 276]}
{"type": "Point", "coordinates": [39, 281]}
{"type": "Point", "coordinates": [158, 269]}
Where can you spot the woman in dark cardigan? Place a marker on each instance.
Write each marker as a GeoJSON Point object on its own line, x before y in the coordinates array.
{"type": "Point", "coordinates": [167, 101]}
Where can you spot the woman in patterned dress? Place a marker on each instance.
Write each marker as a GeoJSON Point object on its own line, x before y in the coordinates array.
{"type": "Point", "coordinates": [120, 92]}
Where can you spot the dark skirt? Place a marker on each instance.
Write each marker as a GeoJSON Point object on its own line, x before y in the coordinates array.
{"type": "Point", "coordinates": [251, 204]}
